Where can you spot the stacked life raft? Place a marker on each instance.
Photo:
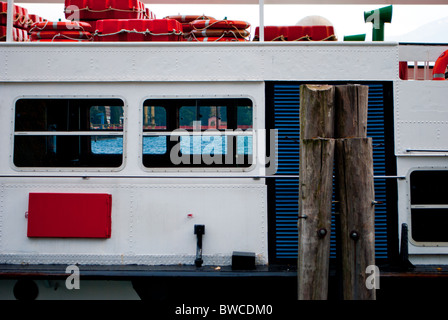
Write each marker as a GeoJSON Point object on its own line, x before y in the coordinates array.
{"type": "Point", "coordinates": [70, 31]}
{"type": "Point", "coordinates": [186, 21]}
{"type": "Point", "coordinates": [297, 33]}
{"type": "Point", "coordinates": [122, 20]}
{"type": "Point", "coordinates": [91, 11]}
{"type": "Point", "coordinates": [219, 30]}
{"type": "Point", "coordinates": [138, 30]}
{"type": "Point", "coordinates": [22, 22]}
{"type": "Point", "coordinates": [130, 20]}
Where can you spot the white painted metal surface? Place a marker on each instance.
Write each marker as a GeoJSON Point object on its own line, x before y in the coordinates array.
{"type": "Point", "coordinates": [151, 223]}
{"type": "Point", "coordinates": [185, 61]}
{"type": "Point", "coordinates": [150, 216]}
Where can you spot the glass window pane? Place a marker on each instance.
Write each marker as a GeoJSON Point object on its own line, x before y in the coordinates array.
{"type": "Point", "coordinates": [207, 117]}
{"type": "Point", "coordinates": [222, 117]}
{"type": "Point", "coordinates": [429, 225]}
{"type": "Point", "coordinates": [187, 117]}
{"type": "Point", "coordinates": [106, 118]}
{"type": "Point", "coordinates": [41, 115]}
{"type": "Point", "coordinates": [429, 187]}
{"type": "Point", "coordinates": [70, 149]}
{"type": "Point", "coordinates": [203, 119]}
{"type": "Point", "coordinates": [155, 145]}
{"type": "Point", "coordinates": [65, 151]}
{"type": "Point", "coordinates": [244, 145]}
{"type": "Point", "coordinates": [107, 145]}
{"type": "Point", "coordinates": [154, 118]}
{"type": "Point", "coordinates": [202, 144]}
{"type": "Point", "coordinates": [244, 117]}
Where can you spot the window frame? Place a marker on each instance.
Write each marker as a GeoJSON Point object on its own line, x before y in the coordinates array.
{"type": "Point", "coordinates": [122, 133]}
{"type": "Point", "coordinates": [171, 125]}
{"type": "Point", "coordinates": [412, 206]}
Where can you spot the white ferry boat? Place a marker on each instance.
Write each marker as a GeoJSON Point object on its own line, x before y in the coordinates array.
{"type": "Point", "coordinates": [159, 168]}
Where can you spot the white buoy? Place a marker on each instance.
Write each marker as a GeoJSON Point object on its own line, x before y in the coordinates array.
{"type": "Point", "coordinates": [314, 21]}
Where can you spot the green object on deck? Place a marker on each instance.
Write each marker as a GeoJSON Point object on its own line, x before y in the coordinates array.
{"type": "Point", "coordinates": [355, 37]}
{"type": "Point", "coordinates": [378, 17]}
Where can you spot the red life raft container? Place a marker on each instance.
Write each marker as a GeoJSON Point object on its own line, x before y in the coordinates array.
{"type": "Point", "coordinates": [32, 19]}
{"type": "Point", "coordinates": [20, 17]}
{"type": "Point", "coordinates": [189, 18]}
{"type": "Point", "coordinates": [220, 33]}
{"type": "Point", "coordinates": [61, 31]}
{"type": "Point", "coordinates": [149, 14]}
{"type": "Point", "coordinates": [18, 34]}
{"type": "Point", "coordinates": [62, 26]}
{"type": "Point", "coordinates": [61, 35]}
{"type": "Point", "coordinates": [297, 33]}
{"type": "Point", "coordinates": [186, 21]}
{"type": "Point", "coordinates": [138, 30]}
{"type": "Point", "coordinates": [219, 30]}
{"type": "Point", "coordinates": [220, 24]}
{"type": "Point", "coordinates": [104, 9]}
{"type": "Point", "coordinates": [60, 40]}
{"type": "Point", "coordinates": [219, 39]}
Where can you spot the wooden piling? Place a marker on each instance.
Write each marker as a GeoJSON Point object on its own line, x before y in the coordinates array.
{"type": "Point", "coordinates": [357, 215]}
{"type": "Point", "coordinates": [351, 107]}
{"type": "Point", "coordinates": [315, 190]}
{"type": "Point", "coordinates": [314, 223]}
{"type": "Point", "coordinates": [316, 111]}
{"type": "Point", "coordinates": [327, 113]}
{"type": "Point", "coordinates": [356, 194]}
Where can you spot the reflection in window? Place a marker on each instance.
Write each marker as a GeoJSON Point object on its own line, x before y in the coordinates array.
{"type": "Point", "coordinates": [154, 118]}
{"type": "Point", "coordinates": [68, 133]}
{"type": "Point", "coordinates": [155, 145]}
{"type": "Point", "coordinates": [221, 128]}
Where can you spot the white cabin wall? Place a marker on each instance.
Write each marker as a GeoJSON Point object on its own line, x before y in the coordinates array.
{"type": "Point", "coordinates": [151, 222]}
{"type": "Point", "coordinates": [421, 125]}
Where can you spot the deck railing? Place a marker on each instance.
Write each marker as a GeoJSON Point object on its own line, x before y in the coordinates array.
{"type": "Point", "coordinates": [417, 59]}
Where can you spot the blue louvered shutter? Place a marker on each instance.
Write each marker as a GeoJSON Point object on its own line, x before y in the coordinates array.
{"type": "Point", "coordinates": [284, 208]}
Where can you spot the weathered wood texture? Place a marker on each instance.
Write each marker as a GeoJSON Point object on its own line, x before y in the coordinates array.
{"type": "Point", "coordinates": [356, 197]}
{"type": "Point", "coordinates": [316, 111]}
{"type": "Point", "coordinates": [351, 107]}
{"type": "Point", "coordinates": [328, 112]}
{"type": "Point", "coordinates": [315, 190]}
{"type": "Point", "coordinates": [314, 223]}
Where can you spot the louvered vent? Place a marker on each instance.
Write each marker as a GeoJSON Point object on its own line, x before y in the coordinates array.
{"type": "Point", "coordinates": [284, 191]}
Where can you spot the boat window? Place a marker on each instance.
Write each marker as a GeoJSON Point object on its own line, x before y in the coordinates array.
{"type": "Point", "coordinates": [429, 205]}
{"type": "Point", "coordinates": [197, 133]}
{"type": "Point", "coordinates": [68, 133]}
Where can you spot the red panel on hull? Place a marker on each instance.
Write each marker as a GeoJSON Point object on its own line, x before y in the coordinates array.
{"type": "Point", "coordinates": [69, 215]}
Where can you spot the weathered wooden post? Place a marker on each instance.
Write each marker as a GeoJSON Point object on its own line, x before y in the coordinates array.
{"type": "Point", "coordinates": [315, 190]}
{"type": "Point", "coordinates": [356, 192]}
{"type": "Point", "coordinates": [351, 107]}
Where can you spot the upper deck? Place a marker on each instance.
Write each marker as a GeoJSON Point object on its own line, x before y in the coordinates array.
{"type": "Point", "coordinates": [188, 61]}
